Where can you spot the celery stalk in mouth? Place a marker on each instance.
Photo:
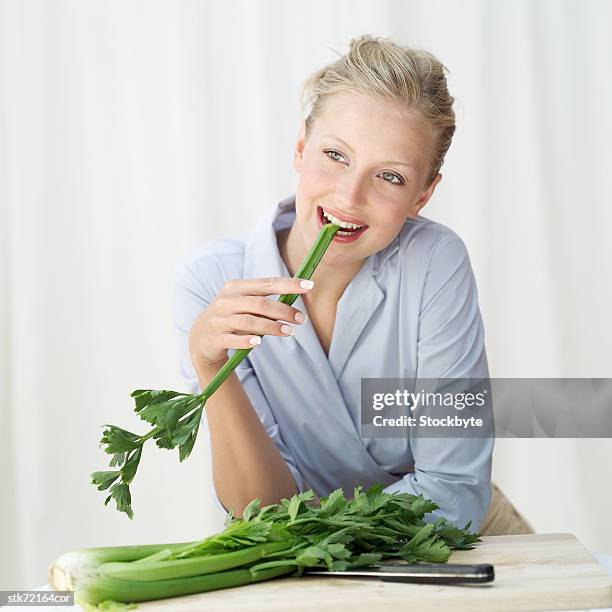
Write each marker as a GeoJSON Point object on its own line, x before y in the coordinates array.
{"type": "Point", "coordinates": [176, 416]}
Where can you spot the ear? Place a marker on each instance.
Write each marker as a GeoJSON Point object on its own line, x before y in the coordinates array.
{"type": "Point", "coordinates": [424, 197]}
{"type": "Point", "coordinates": [299, 147]}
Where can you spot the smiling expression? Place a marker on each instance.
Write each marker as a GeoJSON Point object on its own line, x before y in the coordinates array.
{"type": "Point", "coordinates": [366, 162]}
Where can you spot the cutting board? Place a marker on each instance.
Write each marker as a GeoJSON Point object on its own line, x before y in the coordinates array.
{"type": "Point", "coordinates": [532, 572]}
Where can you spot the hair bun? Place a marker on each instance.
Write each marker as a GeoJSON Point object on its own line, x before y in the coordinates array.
{"type": "Point", "coordinates": [359, 40]}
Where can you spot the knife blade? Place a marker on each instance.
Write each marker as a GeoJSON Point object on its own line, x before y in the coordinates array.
{"type": "Point", "coordinates": [430, 573]}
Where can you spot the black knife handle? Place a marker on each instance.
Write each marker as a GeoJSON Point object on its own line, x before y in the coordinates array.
{"type": "Point", "coordinates": [438, 573]}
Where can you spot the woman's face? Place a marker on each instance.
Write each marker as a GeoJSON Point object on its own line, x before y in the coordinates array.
{"type": "Point", "coordinates": [364, 162]}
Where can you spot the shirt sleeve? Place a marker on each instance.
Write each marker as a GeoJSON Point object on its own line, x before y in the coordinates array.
{"type": "Point", "coordinates": [192, 291]}
{"type": "Point", "coordinates": [455, 473]}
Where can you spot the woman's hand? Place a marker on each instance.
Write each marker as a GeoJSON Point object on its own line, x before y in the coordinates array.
{"type": "Point", "coordinates": [240, 313]}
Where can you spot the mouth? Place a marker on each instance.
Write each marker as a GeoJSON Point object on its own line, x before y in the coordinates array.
{"type": "Point", "coordinates": [344, 234]}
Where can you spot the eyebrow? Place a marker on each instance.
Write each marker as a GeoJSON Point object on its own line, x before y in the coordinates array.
{"type": "Point", "coordinates": [346, 144]}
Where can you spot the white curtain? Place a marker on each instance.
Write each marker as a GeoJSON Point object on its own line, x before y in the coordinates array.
{"type": "Point", "coordinates": [133, 131]}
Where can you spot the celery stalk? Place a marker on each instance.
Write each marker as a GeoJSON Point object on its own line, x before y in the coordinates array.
{"type": "Point", "coordinates": [94, 588]}
{"type": "Point", "coordinates": [305, 271]}
{"type": "Point", "coordinates": [176, 416]}
{"type": "Point", "coordinates": [145, 571]}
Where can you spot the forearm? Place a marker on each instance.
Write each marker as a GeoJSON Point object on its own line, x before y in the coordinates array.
{"type": "Point", "coordinates": [455, 473]}
{"type": "Point", "coordinates": [246, 462]}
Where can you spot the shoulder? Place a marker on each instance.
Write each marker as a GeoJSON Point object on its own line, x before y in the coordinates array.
{"type": "Point", "coordinates": [428, 235]}
{"type": "Point", "coordinates": [210, 265]}
{"type": "Point", "coordinates": [431, 243]}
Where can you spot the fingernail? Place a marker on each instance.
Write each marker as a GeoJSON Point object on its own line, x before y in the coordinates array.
{"type": "Point", "coordinates": [255, 340]}
{"type": "Point", "coordinates": [306, 284]}
{"type": "Point", "coordinates": [300, 317]}
{"type": "Point", "coordinates": [287, 329]}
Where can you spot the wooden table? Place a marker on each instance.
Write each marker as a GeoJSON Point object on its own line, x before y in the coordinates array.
{"type": "Point", "coordinates": [533, 572]}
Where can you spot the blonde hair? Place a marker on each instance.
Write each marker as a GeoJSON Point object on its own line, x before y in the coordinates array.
{"type": "Point", "coordinates": [382, 69]}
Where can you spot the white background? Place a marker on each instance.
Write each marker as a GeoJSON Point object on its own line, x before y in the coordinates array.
{"type": "Point", "coordinates": [131, 132]}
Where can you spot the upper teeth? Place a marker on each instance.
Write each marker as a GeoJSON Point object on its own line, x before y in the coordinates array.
{"type": "Point", "coordinates": [337, 221]}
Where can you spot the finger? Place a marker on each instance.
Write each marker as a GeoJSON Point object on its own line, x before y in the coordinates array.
{"type": "Point", "coordinates": [252, 324]}
{"type": "Point", "coordinates": [265, 307]}
{"type": "Point", "coordinates": [235, 341]}
{"type": "Point", "coordinates": [274, 285]}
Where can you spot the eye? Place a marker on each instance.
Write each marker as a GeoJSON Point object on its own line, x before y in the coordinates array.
{"type": "Point", "coordinates": [332, 154]}
{"type": "Point", "coordinates": [389, 176]}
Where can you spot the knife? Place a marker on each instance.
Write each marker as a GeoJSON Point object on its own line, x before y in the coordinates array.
{"type": "Point", "coordinates": [430, 573]}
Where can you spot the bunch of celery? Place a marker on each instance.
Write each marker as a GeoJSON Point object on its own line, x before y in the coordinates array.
{"type": "Point", "coordinates": [175, 416]}
{"type": "Point", "coordinates": [286, 538]}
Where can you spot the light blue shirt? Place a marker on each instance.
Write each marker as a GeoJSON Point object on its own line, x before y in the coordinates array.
{"type": "Point", "coordinates": [411, 311]}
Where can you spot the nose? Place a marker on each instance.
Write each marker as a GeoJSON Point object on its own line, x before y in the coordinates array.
{"type": "Point", "coordinates": [349, 192]}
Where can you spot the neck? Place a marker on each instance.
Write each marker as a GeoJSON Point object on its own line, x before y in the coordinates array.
{"type": "Point", "coordinates": [330, 280]}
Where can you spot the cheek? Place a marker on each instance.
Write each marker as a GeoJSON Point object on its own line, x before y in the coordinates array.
{"type": "Point", "coordinates": [316, 172]}
{"type": "Point", "coordinates": [390, 216]}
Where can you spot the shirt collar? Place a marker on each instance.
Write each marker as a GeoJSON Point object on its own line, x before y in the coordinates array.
{"type": "Point", "coordinates": [357, 305]}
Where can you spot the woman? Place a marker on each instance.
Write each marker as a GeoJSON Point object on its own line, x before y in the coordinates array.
{"type": "Point", "coordinates": [394, 296]}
